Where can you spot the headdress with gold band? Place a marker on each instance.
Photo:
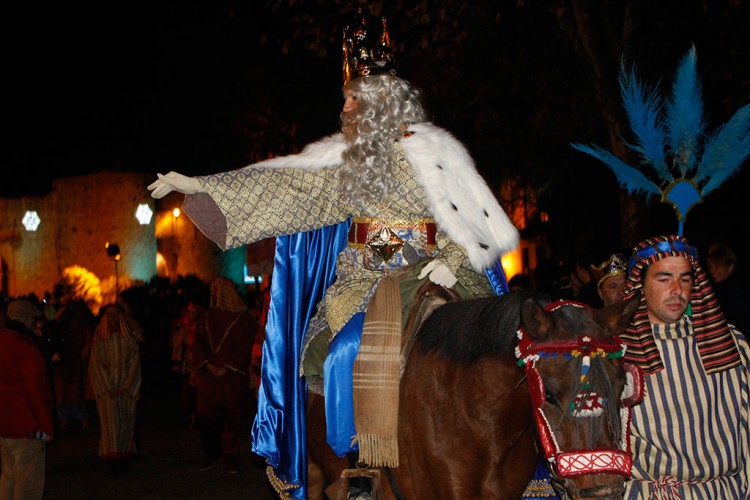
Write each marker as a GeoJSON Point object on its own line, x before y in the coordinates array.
{"type": "Point", "coordinates": [367, 48]}
{"type": "Point", "coordinates": [716, 345]}
{"type": "Point", "coordinates": [615, 266]}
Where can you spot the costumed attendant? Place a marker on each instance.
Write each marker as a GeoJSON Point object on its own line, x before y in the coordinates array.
{"type": "Point", "coordinates": [689, 435]}
{"type": "Point", "coordinates": [73, 329]}
{"type": "Point", "coordinates": [379, 208]}
{"type": "Point", "coordinates": [115, 373]}
{"type": "Point", "coordinates": [221, 359]}
{"type": "Point", "coordinates": [183, 340]}
{"type": "Point", "coordinates": [610, 278]}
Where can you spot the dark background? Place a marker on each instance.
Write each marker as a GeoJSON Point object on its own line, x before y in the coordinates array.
{"type": "Point", "coordinates": [203, 87]}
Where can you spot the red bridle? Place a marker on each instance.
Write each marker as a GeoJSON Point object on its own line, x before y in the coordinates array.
{"type": "Point", "coordinates": [577, 463]}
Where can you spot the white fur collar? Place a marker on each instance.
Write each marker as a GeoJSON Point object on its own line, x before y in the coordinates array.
{"type": "Point", "coordinates": [460, 200]}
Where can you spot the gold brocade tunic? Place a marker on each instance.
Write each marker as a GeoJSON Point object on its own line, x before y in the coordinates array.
{"type": "Point", "coordinates": [264, 202]}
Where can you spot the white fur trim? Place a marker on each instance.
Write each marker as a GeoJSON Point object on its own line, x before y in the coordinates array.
{"type": "Point", "coordinates": [327, 152]}
{"type": "Point", "coordinates": [459, 199]}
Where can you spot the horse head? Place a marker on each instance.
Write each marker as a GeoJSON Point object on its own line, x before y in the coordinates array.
{"type": "Point", "coordinates": [581, 393]}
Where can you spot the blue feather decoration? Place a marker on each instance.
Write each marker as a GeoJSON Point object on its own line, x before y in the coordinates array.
{"type": "Point", "coordinates": [628, 177]}
{"type": "Point", "coordinates": [725, 151]}
{"type": "Point", "coordinates": [676, 141]}
{"type": "Point", "coordinates": [643, 107]}
{"type": "Point", "coordinates": [684, 115]}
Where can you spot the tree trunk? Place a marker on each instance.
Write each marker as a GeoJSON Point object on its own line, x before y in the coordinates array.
{"type": "Point", "coordinates": [598, 40]}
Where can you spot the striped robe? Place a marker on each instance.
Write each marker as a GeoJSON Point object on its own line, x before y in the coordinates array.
{"type": "Point", "coordinates": [115, 373]}
{"type": "Point", "coordinates": [689, 436]}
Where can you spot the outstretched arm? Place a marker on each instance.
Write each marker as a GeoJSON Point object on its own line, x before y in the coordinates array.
{"type": "Point", "coordinates": [173, 181]}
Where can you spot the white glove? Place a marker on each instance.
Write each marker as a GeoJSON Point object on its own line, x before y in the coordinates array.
{"type": "Point", "coordinates": [439, 274]}
{"type": "Point", "coordinates": [174, 182]}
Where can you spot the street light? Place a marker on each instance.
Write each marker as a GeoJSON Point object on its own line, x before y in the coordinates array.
{"type": "Point", "coordinates": [113, 252]}
{"type": "Point", "coordinates": [175, 244]}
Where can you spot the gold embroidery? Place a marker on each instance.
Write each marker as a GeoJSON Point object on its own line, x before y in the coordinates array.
{"type": "Point", "coordinates": [345, 302]}
{"type": "Point", "coordinates": [260, 203]}
{"type": "Point", "coordinates": [281, 487]}
{"type": "Point", "coordinates": [395, 223]}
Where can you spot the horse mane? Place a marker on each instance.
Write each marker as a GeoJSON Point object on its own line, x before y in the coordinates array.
{"type": "Point", "coordinates": [466, 331]}
{"type": "Point", "coordinates": [600, 381]}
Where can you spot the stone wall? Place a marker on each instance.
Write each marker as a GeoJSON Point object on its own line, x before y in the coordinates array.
{"type": "Point", "coordinates": [98, 209]}
{"type": "Point", "coordinates": [184, 250]}
{"type": "Point", "coordinates": [29, 259]}
{"type": "Point", "coordinates": [82, 214]}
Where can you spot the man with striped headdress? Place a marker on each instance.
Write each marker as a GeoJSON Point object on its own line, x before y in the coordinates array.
{"type": "Point", "coordinates": [689, 436]}
{"type": "Point", "coordinates": [115, 374]}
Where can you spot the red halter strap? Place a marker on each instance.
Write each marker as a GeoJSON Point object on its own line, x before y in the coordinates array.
{"type": "Point", "coordinates": [572, 464]}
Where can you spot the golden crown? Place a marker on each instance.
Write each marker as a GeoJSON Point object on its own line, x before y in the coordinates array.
{"type": "Point", "coordinates": [616, 265]}
{"type": "Point", "coordinates": [366, 48]}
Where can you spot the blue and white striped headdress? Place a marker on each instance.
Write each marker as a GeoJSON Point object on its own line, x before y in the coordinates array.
{"type": "Point", "coordinates": [716, 346]}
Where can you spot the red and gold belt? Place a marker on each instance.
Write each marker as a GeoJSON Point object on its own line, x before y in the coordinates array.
{"type": "Point", "coordinates": [361, 226]}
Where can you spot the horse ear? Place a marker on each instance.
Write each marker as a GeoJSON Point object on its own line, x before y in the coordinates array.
{"type": "Point", "coordinates": [535, 319]}
{"type": "Point", "coordinates": [615, 318]}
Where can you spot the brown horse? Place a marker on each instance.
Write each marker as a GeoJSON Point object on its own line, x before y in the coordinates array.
{"type": "Point", "coordinates": [471, 420]}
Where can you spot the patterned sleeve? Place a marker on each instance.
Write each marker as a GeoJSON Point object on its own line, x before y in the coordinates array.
{"type": "Point", "coordinates": [251, 204]}
{"type": "Point", "coordinates": [452, 254]}
{"type": "Point", "coordinates": [457, 260]}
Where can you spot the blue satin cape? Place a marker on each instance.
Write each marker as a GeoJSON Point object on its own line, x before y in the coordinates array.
{"type": "Point", "coordinates": [304, 266]}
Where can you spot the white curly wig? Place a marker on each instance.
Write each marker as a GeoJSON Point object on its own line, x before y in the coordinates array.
{"type": "Point", "coordinates": [385, 104]}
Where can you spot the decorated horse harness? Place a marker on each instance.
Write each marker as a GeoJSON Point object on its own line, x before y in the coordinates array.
{"type": "Point", "coordinates": [587, 403]}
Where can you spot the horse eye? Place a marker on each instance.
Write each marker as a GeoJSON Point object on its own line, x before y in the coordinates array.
{"type": "Point", "coordinates": [550, 398]}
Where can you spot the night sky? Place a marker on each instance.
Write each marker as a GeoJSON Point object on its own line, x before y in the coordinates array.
{"type": "Point", "coordinates": [130, 88]}
{"type": "Point", "coordinates": [205, 88]}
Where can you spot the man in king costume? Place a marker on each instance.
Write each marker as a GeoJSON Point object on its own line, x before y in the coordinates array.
{"type": "Point", "coordinates": [391, 199]}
